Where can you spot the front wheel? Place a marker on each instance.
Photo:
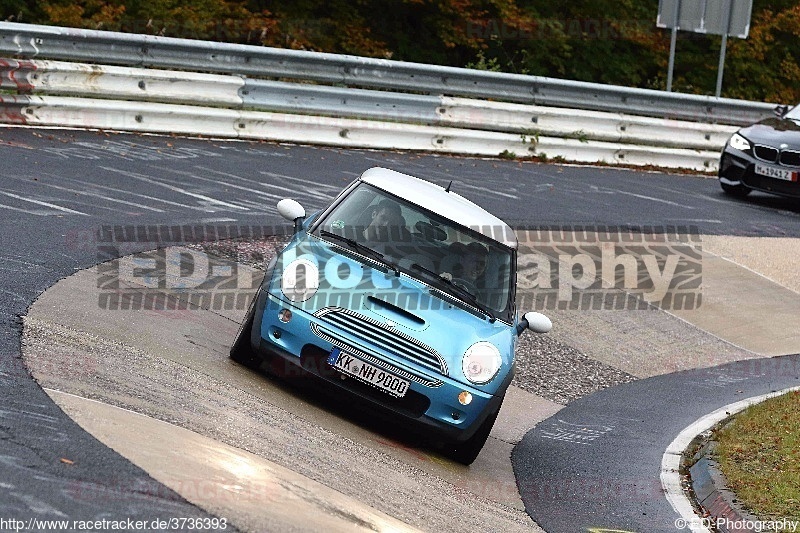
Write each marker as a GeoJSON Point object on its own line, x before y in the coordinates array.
{"type": "Point", "coordinates": [242, 350]}
{"type": "Point", "coordinates": [737, 191]}
{"type": "Point", "coordinates": [466, 452]}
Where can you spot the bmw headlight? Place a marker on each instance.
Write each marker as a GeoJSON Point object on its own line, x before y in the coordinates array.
{"type": "Point", "coordinates": [739, 142]}
{"type": "Point", "coordinates": [481, 362]}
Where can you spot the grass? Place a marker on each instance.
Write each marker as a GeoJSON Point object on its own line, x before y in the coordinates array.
{"type": "Point", "coordinates": [759, 454]}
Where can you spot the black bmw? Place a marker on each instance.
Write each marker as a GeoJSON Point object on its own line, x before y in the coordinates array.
{"type": "Point", "coordinates": [764, 156]}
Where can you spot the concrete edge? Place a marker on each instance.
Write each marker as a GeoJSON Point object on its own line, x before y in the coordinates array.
{"type": "Point", "coordinates": [718, 503]}
{"type": "Point", "coordinates": [522, 407]}
{"type": "Point", "coordinates": [280, 487]}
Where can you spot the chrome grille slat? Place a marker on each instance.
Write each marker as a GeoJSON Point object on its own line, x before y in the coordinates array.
{"type": "Point", "coordinates": [327, 335]}
{"type": "Point", "coordinates": [378, 336]}
{"type": "Point", "coordinates": [386, 338]}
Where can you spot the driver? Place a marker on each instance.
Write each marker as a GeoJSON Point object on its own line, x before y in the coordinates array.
{"type": "Point", "coordinates": [474, 258]}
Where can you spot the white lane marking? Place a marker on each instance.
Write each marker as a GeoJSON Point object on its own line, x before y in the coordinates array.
{"type": "Point", "coordinates": [26, 263]}
{"type": "Point", "coordinates": [384, 162]}
{"type": "Point", "coordinates": [176, 189]}
{"type": "Point", "coordinates": [709, 220]}
{"type": "Point", "coordinates": [307, 183]}
{"type": "Point", "coordinates": [231, 185]}
{"type": "Point", "coordinates": [45, 204]}
{"type": "Point", "coordinates": [216, 220]}
{"type": "Point", "coordinates": [259, 207]}
{"type": "Point", "coordinates": [98, 195]}
{"type": "Point", "coordinates": [645, 197]}
{"type": "Point", "coordinates": [16, 296]}
{"type": "Point", "coordinates": [671, 460]}
{"type": "Point", "coordinates": [138, 195]}
{"type": "Point", "coordinates": [595, 188]}
{"type": "Point", "coordinates": [693, 196]}
{"type": "Point", "coordinates": [308, 189]}
{"type": "Point", "coordinates": [38, 506]}
{"type": "Point", "coordinates": [37, 212]}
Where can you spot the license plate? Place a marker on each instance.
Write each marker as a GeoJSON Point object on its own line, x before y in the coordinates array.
{"type": "Point", "coordinates": [777, 173]}
{"type": "Point", "coordinates": [370, 374]}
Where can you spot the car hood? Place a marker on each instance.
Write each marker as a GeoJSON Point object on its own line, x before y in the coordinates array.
{"type": "Point", "coordinates": [401, 303]}
{"type": "Point", "coordinates": [774, 132]}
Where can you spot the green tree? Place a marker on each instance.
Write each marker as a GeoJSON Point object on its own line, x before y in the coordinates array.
{"type": "Point", "coordinates": [605, 41]}
{"type": "Point", "coordinates": [20, 11]}
{"type": "Point", "coordinates": [765, 66]}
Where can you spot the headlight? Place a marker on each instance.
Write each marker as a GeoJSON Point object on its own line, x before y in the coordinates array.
{"type": "Point", "coordinates": [481, 362]}
{"type": "Point", "coordinates": [739, 142]}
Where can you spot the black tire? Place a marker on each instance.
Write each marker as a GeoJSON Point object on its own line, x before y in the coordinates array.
{"type": "Point", "coordinates": [737, 191]}
{"type": "Point", "coordinates": [466, 452]}
{"type": "Point", "coordinates": [242, 350]}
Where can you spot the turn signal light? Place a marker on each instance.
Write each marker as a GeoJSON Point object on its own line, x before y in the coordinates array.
{"type": "Point", "coordinates": [464, 398]}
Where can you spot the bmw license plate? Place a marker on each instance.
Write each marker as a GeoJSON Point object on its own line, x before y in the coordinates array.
{"type": "Point", "coordinates": [777, 173]}
{"type": "Point", "coordinates": [370, 374]}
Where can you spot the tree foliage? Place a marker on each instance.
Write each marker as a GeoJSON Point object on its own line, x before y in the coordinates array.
{"type": "Point", "coordinates": [602, 41]}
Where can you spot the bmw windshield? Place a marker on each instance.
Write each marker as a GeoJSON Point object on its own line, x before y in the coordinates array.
{"type": "Point", "coordinates": [453, 259]}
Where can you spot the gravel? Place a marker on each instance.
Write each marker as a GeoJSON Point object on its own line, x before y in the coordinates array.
{"type": "Point", "coordinates": [560, 373]}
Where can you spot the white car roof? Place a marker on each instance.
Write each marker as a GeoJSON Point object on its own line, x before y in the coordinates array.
{"type": "Point", "coordinates": [447, 204]}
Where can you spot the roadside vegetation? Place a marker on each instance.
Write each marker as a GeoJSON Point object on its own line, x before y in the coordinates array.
{"type": "Point", "coordinates": [605, 41]}
{"type": "Point", "coordinates": [759, 454]}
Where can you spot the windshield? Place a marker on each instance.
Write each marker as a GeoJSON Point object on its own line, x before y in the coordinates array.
{"type": "Point", "coordinates": [426, 246]}
{"type": "Point", "coordinates": [793, 113]}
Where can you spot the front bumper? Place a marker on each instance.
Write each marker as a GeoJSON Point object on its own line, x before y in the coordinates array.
{"type": "Point", "coordinates": [737, 167]}
{"type": "Point", "coordinates": [431, 404]}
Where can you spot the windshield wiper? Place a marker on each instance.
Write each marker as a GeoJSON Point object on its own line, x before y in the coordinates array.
{"type": "Point", "coordinates": [362, 249]}
{"type": "Point", "coordinates": [463, 293]}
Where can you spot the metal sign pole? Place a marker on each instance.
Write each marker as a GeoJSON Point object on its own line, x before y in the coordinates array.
{"type": "Point", "coordinates": [710, 17]}
{"type": "Point", "coordinates": [672, 44]}
{"type": "Point", "coordinates": [723, 47]}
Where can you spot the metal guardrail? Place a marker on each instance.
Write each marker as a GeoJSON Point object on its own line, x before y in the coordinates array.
{"type": "Point", "coordinates": [153, 85]}
{"type": "Point", "coordinates": [55, 93]}
{"type": "Point", "coordinates": [32, 41]}
{"type": "Point", "coordinates": [105, 114]}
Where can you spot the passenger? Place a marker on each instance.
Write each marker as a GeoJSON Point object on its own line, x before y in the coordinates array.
{"type": "Point", "coordinates": [387, 223]}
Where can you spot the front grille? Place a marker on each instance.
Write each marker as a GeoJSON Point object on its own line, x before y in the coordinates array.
{"type": "Point", "coordinates": [790, 158]}
{"type": "Point", "coordinates": [766, 153]}
{"type": "Point", "coordinates": [384, 337]}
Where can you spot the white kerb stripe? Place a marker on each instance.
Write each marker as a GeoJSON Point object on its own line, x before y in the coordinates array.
{"type": "Point", "coordinates": [670, 462]}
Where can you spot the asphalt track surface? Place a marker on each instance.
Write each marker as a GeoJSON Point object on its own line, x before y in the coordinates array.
{"type": "Point", "coordinates": [59, 186]}
{"type": "Point", "coordinates": [597, 461]}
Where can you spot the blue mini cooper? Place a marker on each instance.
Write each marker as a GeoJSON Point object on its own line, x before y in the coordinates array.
{"type": "Point", "coordinates": [401, 294]}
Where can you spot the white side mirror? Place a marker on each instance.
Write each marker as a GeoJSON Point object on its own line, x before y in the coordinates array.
{"type": "Point", "coordinates": [291, 210]}
{"type": "Point", "coordinates": [537, 322]}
